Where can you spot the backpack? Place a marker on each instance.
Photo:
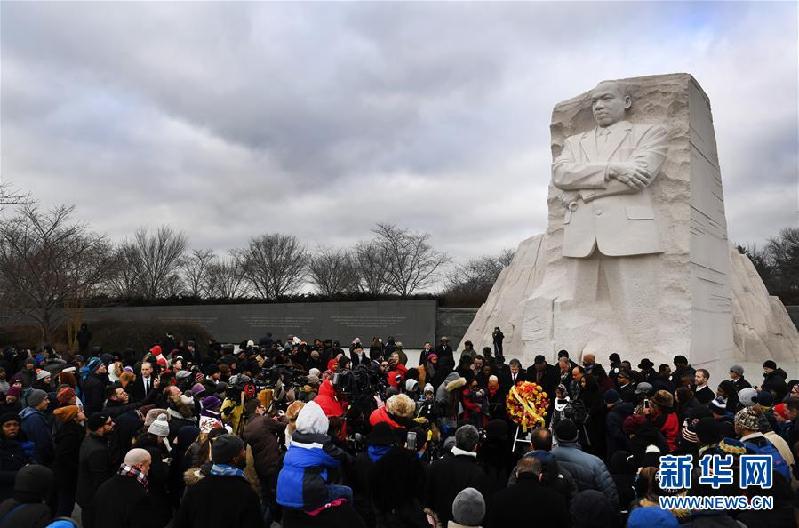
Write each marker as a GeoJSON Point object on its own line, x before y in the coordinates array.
{"type": "Point", "coordinates": [767, 448]}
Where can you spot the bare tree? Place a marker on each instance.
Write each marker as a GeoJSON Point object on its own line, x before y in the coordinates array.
{"type": "Point", "coordinates": [149, 265]}
{"type": "Point", "coordinates": [274, 265]}
{"type": "Point", "coordinates": [195, 272]}
{"type": "Point", "coordinates": [477, 276]}
{"type": "Point", "coordinates": [409, 261]}
{"type": "Point", "coordinates": [370, 268]}
{"type": "Point", "coordinates": [47, 261]}
{"type": "Point", "coordinates": [124, 281]}
{"type": "Point", "coordinates": [333, 271]}
{"type": "Point", "coordinates": [226, 278]}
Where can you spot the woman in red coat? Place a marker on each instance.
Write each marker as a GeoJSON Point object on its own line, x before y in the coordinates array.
{"type": "Point", "coordinates": [662, 415]}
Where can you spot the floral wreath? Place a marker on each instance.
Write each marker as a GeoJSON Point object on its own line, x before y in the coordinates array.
{"type": "Point", "coordinates": [527, 405]}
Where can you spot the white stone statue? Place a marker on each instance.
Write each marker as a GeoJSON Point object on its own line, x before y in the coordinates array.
{"type": "Point", "coordinates": [607, 171]}
{"type": "Point", "coordinates": [610, 231]}
{"type": "Point", "coordinates": [635, 259]}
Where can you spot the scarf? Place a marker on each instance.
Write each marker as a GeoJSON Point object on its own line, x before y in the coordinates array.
{"type": "Point", "coordinates": [225, 470]}
{"type": "Point", "coordinates": [128, 471]}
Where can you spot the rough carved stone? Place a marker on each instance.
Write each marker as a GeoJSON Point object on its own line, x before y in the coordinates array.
{"type": "Point", "coordinates": [698, 297]}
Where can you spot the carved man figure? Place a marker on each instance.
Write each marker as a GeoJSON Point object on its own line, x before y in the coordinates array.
{"type": "Point", "coordinates": [609, 170]}
{"type": "Point", "coordinates": [610, 229]}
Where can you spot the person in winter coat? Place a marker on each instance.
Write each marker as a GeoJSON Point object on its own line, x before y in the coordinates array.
{"type": "Point", "coordinates": [16, 452]}
{"type": "Point", "coordinates": [588, 471]}
{"type": "Point", "coordinates": [302, 483]}
{"type": "Point", "coordinates": [123, 501]}
{"type": "Point", "coordinates": [495, 456]}
{"type": "Point", "coordinates": [550, 507]}
{"type": "Point", "coordinates": [68, 439]}
{"type": "Point", "coordinates": [448, 476]}
{"type": "Point", "coordinates": [94, 464]}
{"type": "Point", "coordinates": [686, 403]}
{"type": "Point", "coordinates": [94, 378]}
{"type": "Point", "coordinates": [158, 474]}
{"type": "Point", "coordinates": [398, 412]}
{"type": "Point", "coordinates": [379, 442]}
{"type": "Point", "coordinates": [37, 427]}
{"type": "Point", "coordinates": [727, 394]}
{"type": "Point", "coordinates": [224, 497]}
{"type": "Point", "coordinates": [27, 507]}
{"type": "Point", "coordinates": [328, 400]}
{"type": "Point", "coordinates": [263, 434]}
{"type": "Point", "coordinates": [662, 415]}
{"type": "Point", "coordinates": [397, 500]}
{"type": "Point", "coordinates": [618, 410]}
{"type": "Point", "coordinates": [774, 380]}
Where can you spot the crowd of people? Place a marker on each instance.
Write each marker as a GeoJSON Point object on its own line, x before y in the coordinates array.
{"type": "Point", "coordinates": [311, 434]}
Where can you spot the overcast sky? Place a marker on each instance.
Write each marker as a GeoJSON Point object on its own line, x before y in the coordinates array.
{"type": "Point", "coordinates": [228, 120]}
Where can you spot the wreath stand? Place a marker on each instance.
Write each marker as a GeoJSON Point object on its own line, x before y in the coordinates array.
{"type": "Point", "coordinates": [525, 439]}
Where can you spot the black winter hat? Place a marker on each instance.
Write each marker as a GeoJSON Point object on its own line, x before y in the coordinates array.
{"type": "Point", "coordinates": [33, 483]}
{"type": "Point", "coordinates": [566, 431]}
{"type": "Point", "coordinates": [770, 364]}
{"type": "Point", "coordinates": [708, 431]}
{"type": "Point", "coordinates": [225, 448]}
{"type": "Point", "coordinates": [96, 421]}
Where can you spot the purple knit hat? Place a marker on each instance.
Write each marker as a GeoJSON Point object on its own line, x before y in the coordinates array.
{"type": "Point", "coordinates": [211, 403]}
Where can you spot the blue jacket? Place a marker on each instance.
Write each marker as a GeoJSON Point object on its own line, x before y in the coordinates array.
{"type": "Point", "coordinates": [301, 484]}
{"type": "Point", "coordinates": [588, 471]}
{"type": "Point", "coordinates": [38, 431]}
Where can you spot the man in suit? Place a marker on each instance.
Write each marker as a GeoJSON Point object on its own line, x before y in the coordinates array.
{"type": "Point", "coordinates": [513, 376]}
{"type": "Point", "coordinates": [544, 374]}
{"type": "Point", "coordinates": [144, 384]}
{"type": "Point", "coordinates": [610, 228]}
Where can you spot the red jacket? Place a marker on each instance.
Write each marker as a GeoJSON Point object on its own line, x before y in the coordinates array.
{"type": "Point", "coordinates": [326, 398]}
{"type": "Point", "coordinates": [400, 369]}
{"type": "Point", "coordinates": [671, 430]}
{"type": "Point", "coordinates": [381, 415]}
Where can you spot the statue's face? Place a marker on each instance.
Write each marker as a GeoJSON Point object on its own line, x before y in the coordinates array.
{"type": "Point", "coordinates": [609, 104]}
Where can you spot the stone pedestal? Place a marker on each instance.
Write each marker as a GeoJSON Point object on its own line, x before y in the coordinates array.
{"type": "Point", "coordinates": [696, 297]}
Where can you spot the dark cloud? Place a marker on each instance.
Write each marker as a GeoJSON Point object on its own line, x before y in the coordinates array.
{"type": "Point", "coordinates": [320, 119]}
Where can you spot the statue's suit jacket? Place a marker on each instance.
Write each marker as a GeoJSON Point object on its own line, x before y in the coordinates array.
{"type": "Point", "coordinates": [603, 211]}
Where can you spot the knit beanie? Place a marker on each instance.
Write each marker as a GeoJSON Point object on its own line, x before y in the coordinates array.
{"type": "Point", "coordinates": [152, 415]}
{"type": "Point", "coordinates": [611, 396]}
{"type": "Point", "coordinates": [468, 508]}
{"type": "Point", "coordinates": [225, 448]}
{"type": "Point", "coordinates": [765, 398]}
{"type": "Point", "coordinates": [566, 431]}
{"type": "Point", "coordinates": [747, 419]}
{"type": "Point", "coordinates": [312, 420]}
{"type": "Point", "coordinates": [66, 414]}
{"type": "Point", "coordinates": [747, 396]}
{"type": "Point", "coordinates": [42, 374]}
{"type": "Point", "coordinates": [65, 395]}
{"type": "Point", "coordinates": [160, 427]}
{"type": "Point", "coordinates": [96, 421]}
{"type": "Point", "coordinates": [33, 483]}
{"type": "Point", "coordinates": [36, 397]}
{"type": "Point", "coordinates": [592, 508]}
{"type": "Point", "coordinates": [211, 403]}
{"type": "Point", "coordinates": [708, 431]}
